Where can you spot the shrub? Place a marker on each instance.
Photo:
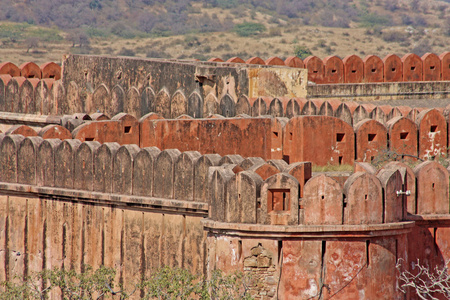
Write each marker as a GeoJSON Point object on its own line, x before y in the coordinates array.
{"type": "Point", "coordinates": [394, 36]}
{"type": "Point", "coordinates": [248, 29]}
{"type": "Point", "coordinates": [302, 51]}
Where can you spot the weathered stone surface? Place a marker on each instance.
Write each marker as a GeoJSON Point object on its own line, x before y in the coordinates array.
{"type": "Point", "coordinates": [333, 70]}
{"type": "Point", "coordinates": [364, 199]}
{"type": "Point", "coordinates": [315, 69]}
{"type": "Point", "coordinates": [84, 166]}
{"type": "Point", "coordinates": [143, 171]}
{"type": "Point", "coordinates": [45, 162]}
{"type": "Point", "coordinates": [408, 181]}
{"type": "Point", "coordinates": [412, 67]}
{"type": "Point", "coordinates": [279, 200]}
{"type": "Point", "coordinates": [103, 167]}
{"type": "Point", "coordinates": [241, 197]}
{"type": "Point", "coordinates": [65, 163]}
{"type": "Point", "coordinates": [353, 69]}
{"type": "Point", "coordinates": [373, 69]}
{"type": "Point", "coordinates": [201, 170]}
{"type": "Point", "coordinates": [26, 160]}
{"type": "Point", "coordinates": [22, 130]}
{"type": "Point", "coordinates": [322, 202]}
{"type": "Point", "coordinates": [227, 106]}
{"type": "Point", "coordinates": [211, 105]}
{"type": "Point", "coordinates": [393, 68]}
{"type": "Point", "coordinates": [218, 183]}
{"type": "Point", "coordinates": [243, 105]}
{"type": "Point", "coordinates": [122, 175]}
{"type": "Point", "coordinates": [195, 105]}
{"type": "Point", "coordinates": [292, 108]}
{"type": "Point", "coordinates": [432, 134]}
{"type": "Point", "coordinates": [184, 175]}
{"type": "Point", "coordinates": [431, 67]}
{"type": "Point", "coordinates": [403, 136]}
{"type": "Point", "coordinates": [8, 160]}
{"type": "Point", "coordinates": [432, 181]}
{"type": "Point", "coordinates": [394, 205]}
{"type": "Point", "coordinates": [178, 104]}
{"type": "Point", "coordinates": [163, 184]}
{"type": "Point", "coordinates": [370, 139]}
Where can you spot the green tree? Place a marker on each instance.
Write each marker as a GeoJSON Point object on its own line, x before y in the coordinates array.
{"type": "Point", "coordinates": [302, 51]}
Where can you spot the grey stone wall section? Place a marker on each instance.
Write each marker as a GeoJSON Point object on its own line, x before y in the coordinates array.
{"type": "Point", "coordinates": [242, 192]}
{"type": "Point", "coordinates": [326, 109]}
{"type": "Point", "coordinates": [201, 170]}
{"type": "Point", "coordinates": [41, 97]}
{"type": "Point", "coordinates": [133, 102]}
{"type": "Point", "coordinates": [8, 159]}
{"type": "Point", "coordinates": [103, 167]}
{"type": "Point", "coordinates": [184, 175]}
{"type": "Point", "coordinates": [243, 105]}
{"type": "Point", "coordinates": [218, 192]}
{"type": "Point", "coordinates": [210, 105]}
{"type": "Point", "coordinates": [2, 95]}
{"type": "Point", "coordinates": [162, 103]}
{"type": "Point", "coordinates": [73, 96]}
{"type": "Point", "coordinates": [278, 163]}
{"type": "Point", "coordinates": [122, 179]}
{"type": "Point", "coordinates": [163, 182]}
{"type": "Point", "coordinates": [259, 107]}
{"type": "Point", "coordinates": [227, 106]}
{"type": "Point", "coordinates": [26, 160]}
{"type": "Point", "coordinates": [84, 166]}
{"type": "Point", "coordinates": [292, 108]}
{"type": "Point", "coordinates": [65, 163]}
{"type": "Point", "coordinates": [101, 99]}
{"type": "Point", "coordinates": [250, 162]}
{"type": "Point", "coordinates": [231, 159]}
{"type": "Point", "coordinates": [276, 108]}
{"type": "Point", "coordinates": [178, 104]}
{"type": "Point", "coordinates": [147, 100]}
{"type": "Point", "coordinates": [45, 167]}
{"type": "Point", "coordinates": [117, 101]}
{"type": "Point", "coordinates": [143, 171]}
{"type": "Point", "coordinates": [27, 104]}
{"type": "Point", "coordinates": [360, 114]}
{"type": "Point", "coordinates": [344, 113]}
{"type": "Point", "coordinates": [60, 105]}
{"type": "Point", "coordinates": [12, 96]}
{"type": "Point", "coordinates": [195, 105]}
{"type": "Point", "coordinates": [309, 109]}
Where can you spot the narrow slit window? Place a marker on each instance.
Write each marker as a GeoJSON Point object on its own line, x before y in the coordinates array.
{"type": "Point", "coordinates": [340, 160]}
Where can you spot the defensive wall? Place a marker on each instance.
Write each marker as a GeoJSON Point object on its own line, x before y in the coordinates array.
{"type": "Point", "coordinates": [219, 192]}
{"type": "Point", "coordinates": [67, 203]}
{"type": "Point", "coordinates": [321, 139]}
{"type": "Point", "coordinates": [111, 85]}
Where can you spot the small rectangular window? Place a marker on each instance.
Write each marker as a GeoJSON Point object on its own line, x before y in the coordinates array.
{"type": "Point", "coordinates": [371, 137]}
{"type": "Point", "coordinates": [127, 129]}
{"type": "Point", "coordinates": [433, 128]}
{"type": "Point", "coordinates": [404, 135]}
{"type": "Point", "coordinates": [278, 200]}
{"type": "Point", "coordinates": [340, 137]}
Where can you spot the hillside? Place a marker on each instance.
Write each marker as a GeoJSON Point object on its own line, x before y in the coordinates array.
{"type": "Point", "coordinates": [43, 30]}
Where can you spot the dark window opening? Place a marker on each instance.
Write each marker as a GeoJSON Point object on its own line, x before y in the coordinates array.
{"type": "Point", "coordinates": [432, 185]}
{"type": "Point", "coordinates": [413, 68]}
{"type": "Point", "coordinates": [393, 69]}
{"type": "Point", "coordinates": [315, 71]}
{"type": "Point", "coordinates": [323, 197]}
{"type": "Point", "coordinates": [89, 139]}
{"type": "Point", "coordinates": [290, 135]}
{"type": "Point", "coordinates": [374, 70]}
{"type": "Point", "coordinates": [30, 76]}
{"type": "Point", "coordinates": [432, 67]}
{"type": "Point", "coordinates": [353, 71]}
{"type": "Point", "coordinates": [371, 137]}
{"type": "Point", "coordinates": [51, 76]}
{"type": "Point", "coordinates": [372, 158]}
{"type": "Point", "coordinates": [333, 71]}
{"type": "Point", "coordinates": [340, 137]}
{"type": "Point", "coordinates": [340, 160]}
{"type": "Point", "coordinates": [433, 128]}
{"type": "Point", "coordinates": [127, 129]}
{"type": "Point", "coordinates": [365, 197]}
{"type": "Point", "coordinates": [278, 200]}
{"type": "Point", "coordinates": [404, 135]}
{"type": "Point", "coordinates": [275, 134]}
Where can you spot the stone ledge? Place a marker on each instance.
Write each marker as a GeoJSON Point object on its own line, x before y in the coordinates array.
{"type": "Point", "coordinates": [308, 231]}
{"type": "Point", "coordinates": [129, 201]}
{"type": "Point", "coordinates": [430, 220]}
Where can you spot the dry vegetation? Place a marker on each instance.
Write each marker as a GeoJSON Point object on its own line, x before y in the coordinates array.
{"type": "Point", "coordinates": [420, 30]}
